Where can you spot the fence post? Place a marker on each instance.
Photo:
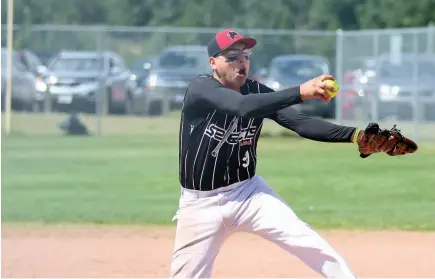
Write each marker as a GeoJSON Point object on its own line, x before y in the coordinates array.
{"type": "Point", "coordinates": [416, 104]}
{"type": "Point", "coordinates": [49, 99]}
{"type": "Point", "coordinates": [339, 73]}
{"type": "Point", "coordinates": [430, 38]}
{"type": "Point", "coordinates": [9, 43]}
{"type": "Point", "coordinates": [374, 98]}
{"type": "Point", "coordinates": [100, 98]}
{"type": "Point", "coordinates": [166, 104]}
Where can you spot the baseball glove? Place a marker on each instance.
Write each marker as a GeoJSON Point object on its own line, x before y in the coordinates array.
{"type": "Point", "coordinates": [373, 140]}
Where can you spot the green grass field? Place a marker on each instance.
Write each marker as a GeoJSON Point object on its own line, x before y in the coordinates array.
{"type": "Point", "coordinates": [132, 179]}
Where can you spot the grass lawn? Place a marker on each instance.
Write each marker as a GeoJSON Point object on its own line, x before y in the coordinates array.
{"type": "Point", "coordinates": [132, 179]}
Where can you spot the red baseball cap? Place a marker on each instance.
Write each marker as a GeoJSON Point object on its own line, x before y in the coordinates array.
{"type": "Point", "coordinates": [226, 38]}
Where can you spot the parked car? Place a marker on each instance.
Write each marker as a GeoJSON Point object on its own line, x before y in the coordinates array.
{"type": "Point", "coordinates": [167, 81]}
{"type": "Point", "coordinates": [78, 77]}
{"type": "Point", "coordinates": [23, 89]}
{"type": "Point", "coordinates": [394, 88]}
{"type": "Point", "coordinates": [34, 65]}
{"type": "Point", "coordinates": [291, 70]}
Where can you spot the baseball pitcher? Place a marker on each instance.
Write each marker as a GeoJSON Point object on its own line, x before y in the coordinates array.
{"type": "Point", "coordinates": [221, 193]}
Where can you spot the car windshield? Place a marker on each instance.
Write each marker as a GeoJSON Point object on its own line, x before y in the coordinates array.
{"type": "Point", "coordinates": [76, 64]}
{"type": "Point", "coordinates": [183, 59]}
{"type": "Point", "coordinates": [304, 69]}
{"type": "Point", "coordinates": [406, 68]}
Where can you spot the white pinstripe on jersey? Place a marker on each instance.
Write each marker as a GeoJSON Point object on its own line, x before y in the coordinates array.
{"type": "Point", "coordinates": [197, 152]}
{"type": "Point", "coordinates": [208, 149]}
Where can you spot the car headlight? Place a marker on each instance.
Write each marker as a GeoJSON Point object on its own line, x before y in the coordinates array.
{"type": "Point", "coordinates": [51, 80]}
{"type": "Point", "coordinates": [389, 90]}
{"type": "Point", "coordinates": [40, 85]}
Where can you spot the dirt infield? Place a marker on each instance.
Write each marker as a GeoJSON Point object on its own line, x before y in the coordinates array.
{"type": "Point", "coordinates": [36, 251]}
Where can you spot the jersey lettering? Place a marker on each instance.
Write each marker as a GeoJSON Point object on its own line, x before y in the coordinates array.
{"type": "Point", "coordinates": [244, 136]}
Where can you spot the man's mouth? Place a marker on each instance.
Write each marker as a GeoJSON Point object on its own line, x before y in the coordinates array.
{"type": "Point", "coordinates": [241, 72]}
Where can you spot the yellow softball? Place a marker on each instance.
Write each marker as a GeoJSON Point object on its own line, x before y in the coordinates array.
{"type": "Point", "coordinates": [334, 84]}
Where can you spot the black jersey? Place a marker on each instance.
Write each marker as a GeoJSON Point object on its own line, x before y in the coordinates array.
{"type": "Point", "coordinates": [219, 130]}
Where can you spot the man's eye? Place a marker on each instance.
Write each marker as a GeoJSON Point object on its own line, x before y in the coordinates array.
{"type": "Point", "coordinates": [232, 53]}
{"type": "Point", "coordinates": [232, 58]}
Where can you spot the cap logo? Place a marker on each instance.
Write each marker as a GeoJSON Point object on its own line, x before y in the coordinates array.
{"type": "Point", "coordinates": [232, 35]}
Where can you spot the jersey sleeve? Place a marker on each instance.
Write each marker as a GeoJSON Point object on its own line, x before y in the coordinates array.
{"type": "Point", "coordinates": [307, 126]}
{"type": "Point", "coordinates": [313, 128]}
{"type": "Point", "coordinates": [209, 93]}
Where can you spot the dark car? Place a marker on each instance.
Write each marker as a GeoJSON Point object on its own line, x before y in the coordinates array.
{"type": "Point", "coordinates": [397, 84]}
{"type": "Point", "coordinates": [292, 70]}
{"type": "Point", "coordinates": [23, 83]}
{"type": "Point", "coordinates": [167, 81]}
{"type": "Point", "coordinates": [78, 78]}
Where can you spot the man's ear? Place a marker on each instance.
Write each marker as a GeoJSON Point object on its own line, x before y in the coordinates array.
{"type": "Point", "coordinates": [212, 62]}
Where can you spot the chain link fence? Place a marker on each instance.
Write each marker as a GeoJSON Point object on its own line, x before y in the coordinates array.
{"type": "Point", "coordinates": [134, 43]}
{"type": "Point", "coordinates": [386, 76]}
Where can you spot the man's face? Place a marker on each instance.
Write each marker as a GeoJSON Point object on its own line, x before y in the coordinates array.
{"type": "Point", "coordinates": [232, 66]}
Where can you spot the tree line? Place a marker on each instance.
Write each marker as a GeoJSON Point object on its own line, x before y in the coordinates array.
{"type": "Point", "coordinates": [297, 15]}
{"type": "Point", "coordinates": [268, 14]}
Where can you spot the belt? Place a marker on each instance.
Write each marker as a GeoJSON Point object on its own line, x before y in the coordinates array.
{"type": "Point", "coordinates": [204, 194]}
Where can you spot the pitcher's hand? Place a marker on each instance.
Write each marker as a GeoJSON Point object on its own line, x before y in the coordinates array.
{"type": "Point", "coordinates": [316, 88]}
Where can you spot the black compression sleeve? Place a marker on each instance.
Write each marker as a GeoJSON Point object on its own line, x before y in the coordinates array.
{"type": "Point", "coordinates": [313, 128]}
{"type": "Point", "coordinates": [208, 92]}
